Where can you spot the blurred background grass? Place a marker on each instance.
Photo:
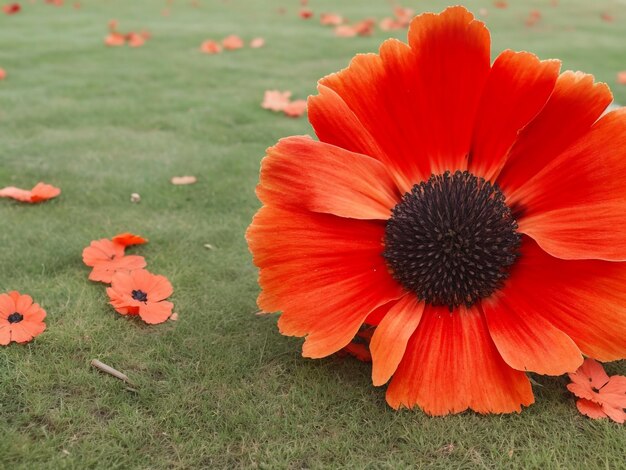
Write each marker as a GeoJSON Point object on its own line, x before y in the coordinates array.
{"type": "Point", "coordinates": [220, 387]}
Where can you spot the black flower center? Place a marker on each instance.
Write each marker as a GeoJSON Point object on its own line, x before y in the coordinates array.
{"type": "Point", "coordinates": [15, 317]}
{"type": "Point", "coordinates": [452, 240]}
{"type": "Point", "coordinates": [140, 295]}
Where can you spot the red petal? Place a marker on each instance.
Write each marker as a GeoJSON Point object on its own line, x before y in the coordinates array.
{"type": "Point", "coordinates": [518, 86]}
{"type": "Point", "coordinates": [575, 208]}
{"type": "Point", "coordinates": [156, 312]}
{"type": "Point", "coordinates": [585, 299]}
{"type": "Point", "coordinates": [419, 102]}
{"type": "Point", "coordinates": [590, 409]}
{"type": "Point", "coordinates": [324, 272]}
{"type": "Point", "coordinates": [575, 104]}
{"type": "Point", "coordinates": [616, 414]}
{"type": "Point", "coordinates": [590, 374]}
{"type": "Point", "coordinates": [391, 337]}
{"type": "Point", "coordinates": [301, 172]}
{"type": "Point", "coordinates": [614, 392]}
{"type": "Point", "coordinates": [451, 364]}
{"type": "Point", "coordinates": [526, 340]}
{"type": "Point", "coordinates": [128, 239]}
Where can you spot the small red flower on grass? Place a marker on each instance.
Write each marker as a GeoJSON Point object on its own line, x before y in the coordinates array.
{"type": "Point", "coordinates": [210, 47]}
{"type": "Point", "coordinates": [12, 8]}
{"type": "Point", "coordinates": [129, 239]}
{"type": "Point", "coordinates": [3, 74]}
{"type": "Point", "coordinates": [41, 192]}
{"type": "Point", "coordinates": [232, 42]}
{"type": "Point", "coordinates": [600, 396]}
{"type": "Point", "coordinates": [20, 318]}
{"type": "Point", "coordinates": [107, 257]}
{"type": "Point", "coordinates": [141, 293]}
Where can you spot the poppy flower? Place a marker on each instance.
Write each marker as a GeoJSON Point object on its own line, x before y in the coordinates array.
{"type": "Point", "coordinates": [41, 192]}
{"type": "Point", "coordinates": [20, 319]}
{"type": "Point", "coordinates": [345, 31]}
{"type": "Point", "coordinates": [3, 74]}
{"type": "Point", "coordinates": [107, 257]}
{"type": "Point", "coordinates": [12, 8]}
{"type": "Point", "coordinates": [210, 47]}
{"type": "Point", "coordinates": [232, 42]}
{"type": "Point", "coordinates": [276, 100]}
{"type": "Point", "coordinates": [621, 77]}
{"type": "Point", "coordinates": [141, 293]}
{"type": "Point", "coordinates": [600, 396]}
{"type": "Point", "coordinates": [472, 211]}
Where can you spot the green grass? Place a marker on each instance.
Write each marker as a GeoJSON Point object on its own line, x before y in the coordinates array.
{"type": "Point", "coordinates": [220, 388]}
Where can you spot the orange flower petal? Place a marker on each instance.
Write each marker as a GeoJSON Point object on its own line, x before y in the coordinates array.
{"type": "Point", "coordinates": [100, 251]}
{"type": "Point", "coordinates": [449, 57]}
{"type": "Point", "coordinates": [463, 371]}
{"type": "Point", "coordinates": [621, 77]}
{"type": "Point", "coordinates": [157, 312]}
{"type": "Point", "coordinates": [324, 279]}
{"type": "Point", "coordinates": [232, 42]}
{"type": "Point", "coordinates": [43, 192]}
{"type": "Point", "coordinates": [156, 286]}
{"type": "Point", "coordinates": [128, 239]}
{"type": "Point", "coordinates": [323, 178]}
{"type": "Point", "coordinates": [115, 40]}
{"type": "Point", "coordinates": [3, 74]}
{"type": "Point", "coordinates": [590, 409]}
{"type": "Point", "coordinates": [256, 43]}
{"type": "Point", "coordinates": [390, 339]}
{"type": "Point", "coordinates": [295, 108]}
{"type": "Point", "coordinates": [336, 124]}
{"type": "Point", "coordinates": [518, 87]}
{"type": "Point", "coordinates": [103, 272]}
{"type": "Point", "coordinates": [575, 104]}
{"type": "Point", "coordinates": [567, 294]}
{"type": "Point", "coordinates": [575, 208]}
{"type": "Point", "coordinates": [276, 100]}
{"type": "Point", "coordinates": [210, 47]}
{"type": "Point", "coordinates": [524, 338]}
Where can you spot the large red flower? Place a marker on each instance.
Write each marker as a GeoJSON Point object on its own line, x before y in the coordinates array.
{"type": "Point", "coordinates": [474, 211]}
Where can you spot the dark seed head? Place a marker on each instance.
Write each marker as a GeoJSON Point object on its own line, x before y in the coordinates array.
{"type": "Point", "coordinates": [140, 295]}
{"type": "Point", "coordinates": [452, 240]}
{"type": "Point", "coordinates": [15, 317]}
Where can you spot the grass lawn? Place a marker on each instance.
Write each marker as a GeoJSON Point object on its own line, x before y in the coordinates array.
{"type": "Point", "coordinates": [220, 388]}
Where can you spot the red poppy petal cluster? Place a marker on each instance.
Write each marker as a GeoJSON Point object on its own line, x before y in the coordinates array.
{"type": "Point", "coordinates": [134, 290]}
{"type": "Point", "coordinates": [600, 396]}
{"type": "Point", "coordinates": [106, 257]}
{"type": "Point", "coordinates": [41, 192]}
{"type": "Point", "coordinates": [432, 107]}
{"type": "Point", "coordinates": [12, 8]}
{"type": "Point", "coordinates": [20, 318]}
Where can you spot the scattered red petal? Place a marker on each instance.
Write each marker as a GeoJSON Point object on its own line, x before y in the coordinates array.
{"type": "Point", "coordinates": [257, 43]}
{"type": "Point", "coordinates": [607, 17]}
{"type": "Point", "coordinates": [295, 109]}
{"type": "Point", "coordinates": [276, 100]}
{"type": "Point", "coordinates": [621, 77]}
{"type": "Point", "coordinates": [501, 4]}
{"type": "Point", "coordinates": [600, 396]}
{"type": "Point", "coordinates": [3, 74]}
{"type": "Point", "coordinates": [306, 13]}
{"type": "Point", "coordinates": [128, 239]}
{"type": "Point", "coordinates": [41, 192]}
{"type": "Point", "coordinates": [331, 19]}
{"type": "Point", "coordinates": [345, 31]}
{"type": "Point", "coordinates": [112, 25]}
{"type": "Point", "coordinates": [135, 40]}
{"type": "Point", "coordinates": [12, 8]}
{"type": "Point", "coordinates": [232, 42]}
{"type": "Point", "coordinates": [115, 40]}
{"type": "Point", "coordinates": [210, 47]}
